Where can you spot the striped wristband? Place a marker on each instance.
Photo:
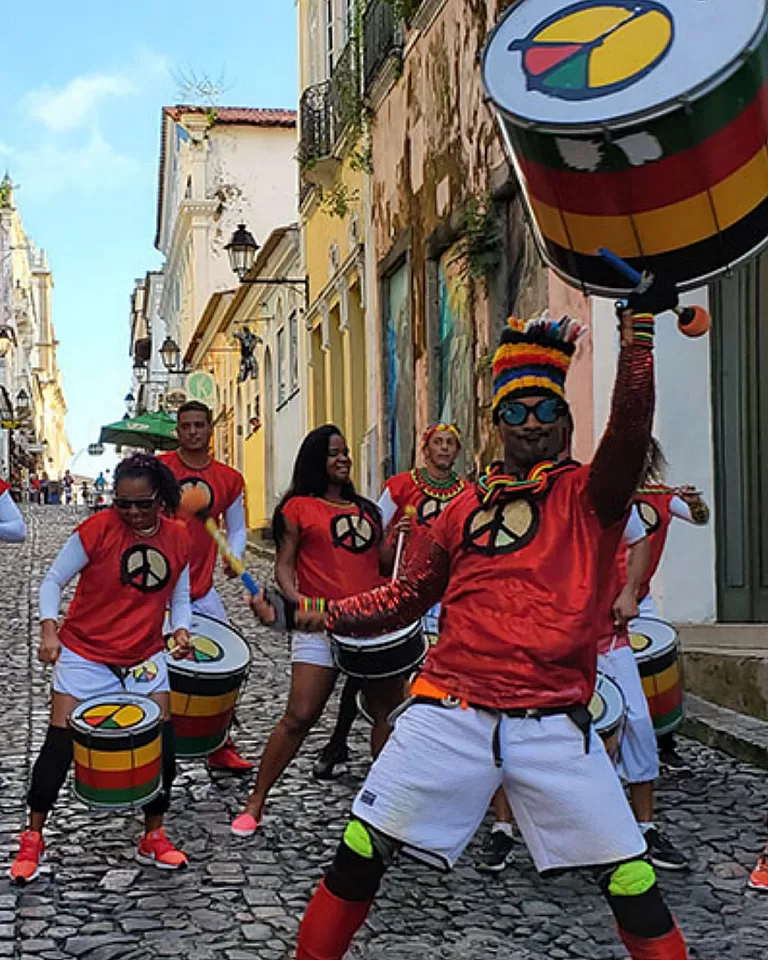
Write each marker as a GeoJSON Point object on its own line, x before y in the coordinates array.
{"type": "Point", "coordinates": [643, 329]}
{"type": "Point", "coordinates": [312, 605]}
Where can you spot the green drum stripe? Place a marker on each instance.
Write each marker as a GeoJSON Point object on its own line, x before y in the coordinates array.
{"type": "Point", "coordinates": [674, 131]}
{"type": "Point", "coordinates": [116, 798]}
{"type": "Point", "coordinates": [199, 746]}
{"type": "Point", "coordinates": [669, 722]}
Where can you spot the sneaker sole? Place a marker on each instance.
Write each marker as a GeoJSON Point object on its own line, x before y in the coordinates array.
{"type": "Point", "coordinates": [338, 771]}
{"type": "Point", "coordinates": [761, 888]}
{"type": "Point", "coordinates": [663, 865]}
{"type": "Point", "coordinates": [23, 881]}
{"type": "Point", "coordinates": [244, 834]}
{"type": "Point", "coordinates": [152, 862]}
{"type": "Point", "coordinates": [496, 867]}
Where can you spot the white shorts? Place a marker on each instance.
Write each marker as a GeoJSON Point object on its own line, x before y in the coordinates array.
{"type": "Point", "coordinates": [431, 786]}
{"type": "Point", "coordinates": [210, 605]}
{"type": "Point", "coordinates": [83, 679]}
{"type": "Point", "coordinates": [312, 648]}
{"type": "Point", "coordinates": [638, 758]}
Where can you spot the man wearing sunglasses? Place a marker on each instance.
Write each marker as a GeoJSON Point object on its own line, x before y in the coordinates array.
{"type": "Point", "coordinates": [193, 465]}
{"type": "Point", "coordinates": [518, 560]}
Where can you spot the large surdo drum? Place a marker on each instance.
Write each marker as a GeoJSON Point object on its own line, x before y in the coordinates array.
{"type": "Point", "coordinates": [376, 658]}
{"type": "Point", "coordinates": [640, 126]}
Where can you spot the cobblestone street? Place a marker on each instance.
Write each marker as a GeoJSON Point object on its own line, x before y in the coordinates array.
{"type": "Point", "coordinates": [242, 900]}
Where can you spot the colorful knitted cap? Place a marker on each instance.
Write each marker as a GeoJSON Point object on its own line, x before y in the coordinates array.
{"type": "Point", "coordinates": [534, 357]}
{"type": "Point", "coordinates": [436, 428]}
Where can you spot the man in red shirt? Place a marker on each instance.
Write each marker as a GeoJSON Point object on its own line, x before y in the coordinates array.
{"type": "Point", "coordinates": [193, 465]}
{"type": "Point", "coordinates": [502, 699]}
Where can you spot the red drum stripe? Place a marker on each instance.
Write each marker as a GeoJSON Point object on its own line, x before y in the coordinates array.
{"type": "Point", "coordinates": [200, 726]}
{"type": "Point", "coordinates": [658, 184]}
{"type": "Point", "coordinates": [117, 779]}
{"type": "Point", "coordinates": [663, 703]}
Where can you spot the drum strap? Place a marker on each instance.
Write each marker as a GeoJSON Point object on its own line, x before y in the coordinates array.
{"type": "Point", "coordinates": [120, 672]}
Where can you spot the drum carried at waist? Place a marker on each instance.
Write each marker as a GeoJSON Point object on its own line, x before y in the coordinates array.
{"type": "Point", "coordinates": [205, 686]}
{"type": "Point", "coordinates": [607, 707]}
{"type": "Point", "coordinates": [654, 644]}
{"type": "Point", "coordinates": [637, 125]}
{"type": "Point", "coordinates": [117, 751]}
{"type": "Point", "coordinates": [376, 658]}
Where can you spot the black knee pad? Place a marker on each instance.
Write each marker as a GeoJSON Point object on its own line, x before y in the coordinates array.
{"type": "Point", "coordinates": [50, 769]}
{"type": "Point", "coordinates": [634, 897]}
{"type": "Point", "coordinates": [162, 801]}
{"type": "Point", "coordinates": [361, 859]}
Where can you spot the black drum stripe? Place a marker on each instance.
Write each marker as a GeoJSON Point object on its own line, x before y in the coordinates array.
{"type": "Point", "coordinates": [650, 668]}
{"type": "Point", "coordinates": [93, 740]}
{"type": "Point", "coordinates": [204, 685]}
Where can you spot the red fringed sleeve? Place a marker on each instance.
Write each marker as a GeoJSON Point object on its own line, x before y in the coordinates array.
{"type": "Point", "coordinates": [422, 583]}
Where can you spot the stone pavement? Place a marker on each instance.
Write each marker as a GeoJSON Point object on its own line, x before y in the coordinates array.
{"type": "Point", "coordinates": [242, 900]}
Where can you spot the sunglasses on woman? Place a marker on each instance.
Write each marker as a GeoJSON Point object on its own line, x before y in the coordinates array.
{"type": "Point", "coordinates": [141, 503]}
{"type": "Point", "coordinates": [515, 413]}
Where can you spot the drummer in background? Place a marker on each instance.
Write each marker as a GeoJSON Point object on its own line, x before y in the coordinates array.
{"type": "Point", "coordinates": [12, 527]}
{"type": "Point", "coordinates": [329, 545]}
{"type": "Point", "coordinates": [426, 490]}
{"type": "Point", "coordinates": [658, 505]}
{"type": "Point", "coordinates": [133, 560]}
{"type": "Point", "coordinates": [193, 465]}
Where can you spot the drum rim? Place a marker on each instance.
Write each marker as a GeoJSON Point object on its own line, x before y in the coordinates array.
{"type": "Point", "coordinates": [622, 698]}
{"type": "Point", "coordinates": [629, 119]}
{"type": "Point", "coordinates": [181, 666]}
{"type": "Point", "coordinates": [643, 656]}
{"type": "Point", "coordinates": [370, 643]}
{"type": "Point", "coordinates": [403, 669]}
{"type": "Point", "coordinates": [145, 724]}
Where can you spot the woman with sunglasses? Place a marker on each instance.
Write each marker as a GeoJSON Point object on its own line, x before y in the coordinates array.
{"type": "Point", "coordinates": [133, 561]}
{"type": "Point", "coordinates": [329, 543]}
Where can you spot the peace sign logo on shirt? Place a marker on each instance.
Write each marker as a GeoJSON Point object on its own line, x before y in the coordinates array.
{"type": "Point", "coordinates": [145, 568]}
{"type": "Point", "coordinates": [502, 529]}
{"type": "Point", "coordinates": [649, 515]}
{"type": "Point", "coordinates": [428, 510]}
{"type": "Point", "coordinates": [352, 532]}
{"type": "Point", "coordinates": [189, 482]}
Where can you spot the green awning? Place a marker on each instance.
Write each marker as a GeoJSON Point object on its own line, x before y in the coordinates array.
{"type": "Point", "coordinates": [153, 431]}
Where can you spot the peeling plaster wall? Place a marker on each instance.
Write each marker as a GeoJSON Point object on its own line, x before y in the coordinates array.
{"type": "Point", "coordinates": [435, 146]}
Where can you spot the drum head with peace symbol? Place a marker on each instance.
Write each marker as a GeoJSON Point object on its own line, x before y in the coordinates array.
{"type": "Point", "coordinates": [502, 528]}
{"type": "Point", "coordinates": [145, 568]}
{"type": "Point", "coordinates": [591, 62]}
{"type": "Point", "coordinates": [218, 649]}
{"type": "Point", "coordinates": [115, 714]}
{"type": "Point", "coordinates": [353, 532]}
{"type": "Point", "coordinates": [651, 638]}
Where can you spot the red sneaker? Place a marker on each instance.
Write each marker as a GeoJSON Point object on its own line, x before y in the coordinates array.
{"type": "Point", "coordinates": [156, 850]}
{"type": "Point", "coordinates": [26, 866]}
{"type": "Point", "coordinates": [758, 879]}
{"type": "Point", "coordinates": [227, 758]}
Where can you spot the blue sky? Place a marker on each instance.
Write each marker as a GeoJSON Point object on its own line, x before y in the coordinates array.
{"type": "Point", "coordinates": [83, 85]}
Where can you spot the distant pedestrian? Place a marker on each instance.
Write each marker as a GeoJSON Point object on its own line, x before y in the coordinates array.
{"type": "Point", "coordinates": [68, 484]}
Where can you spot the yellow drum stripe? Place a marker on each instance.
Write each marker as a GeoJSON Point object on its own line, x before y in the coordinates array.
{"type": "Point", "coordinates": [667, 228]}
{"type": "Point", "coordinates": [661, 682]}
{"type": "Point", "coordinates": [96, 759]}
{"type": "Point", "coordinates": [194, 705]}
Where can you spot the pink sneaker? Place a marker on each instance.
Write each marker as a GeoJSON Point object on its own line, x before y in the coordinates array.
{"type": "Point", "coordinates": [244, 825]}
{"type": "Point", "coordinates": [156, 849]}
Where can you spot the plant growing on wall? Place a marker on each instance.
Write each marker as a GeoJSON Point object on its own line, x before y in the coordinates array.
{"type": "Point", "coordinates": [338, 200]}
{"type": "Point", "coordinates": [480, 247]}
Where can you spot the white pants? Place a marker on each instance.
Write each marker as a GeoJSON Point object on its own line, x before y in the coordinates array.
{"type": "Point", "coordinates": [83, 679]}
{"type": "Point", "coordinates": [311, 648]}
{"type": "Point", "coordinates": [648, 608]}
{"type": "Point", "coordinates": [210, 605]}
{"type": "Point", "coordinates": [638, 758]}
{"type": "Point", "coordinates": [431, 786]}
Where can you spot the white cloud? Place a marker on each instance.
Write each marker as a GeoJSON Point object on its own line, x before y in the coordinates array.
{"type": "Point", "coordinates": [75, 104]}
{"type": "Point", "coordinates": [5, 150]}
{"type": "Point", "coordinates": [93, 165]}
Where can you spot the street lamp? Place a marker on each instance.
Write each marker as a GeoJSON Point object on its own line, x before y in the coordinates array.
{"type": "Point", "coordinates": [22, 402]}
{"type": "Point", "coordinates": [7, 339]}
{"type": "Point", "coordinates": [140, 371]}
{"type": "Point", "coordinates": [242, 250]}
{"type": "Point", "coordinates": [170, 354]}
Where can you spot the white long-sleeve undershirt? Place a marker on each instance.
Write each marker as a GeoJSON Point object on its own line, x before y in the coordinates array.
{"type": "Point", "coordinates": [12, 526]}
{"type": "Point", "coordinates": [237, 535]}
{"type": "Point", "coordinates": [72, 559]}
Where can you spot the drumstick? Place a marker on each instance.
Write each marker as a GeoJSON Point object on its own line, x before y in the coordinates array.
{"type": "Point", "coordinates": [410, 511]}
{"type": "Point", "coordinates": [685, 315]}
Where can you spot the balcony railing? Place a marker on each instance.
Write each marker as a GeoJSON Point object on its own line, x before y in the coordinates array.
{"type": "Point", "coordinates": [345, 95]}
{"type": "Point", "coordinates": [317, 130]}
{"type": "Point", "coordinates": [380, 37]}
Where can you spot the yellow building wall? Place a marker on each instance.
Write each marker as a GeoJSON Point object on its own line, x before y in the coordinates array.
{"type": "Point", "coordinates": [255, 499]}
{"type": "Point", "coordinates": [322, 229]}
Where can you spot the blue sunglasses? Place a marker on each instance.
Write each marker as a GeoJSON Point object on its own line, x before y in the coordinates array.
{"type": "Point", "coordinates": [515, 413]}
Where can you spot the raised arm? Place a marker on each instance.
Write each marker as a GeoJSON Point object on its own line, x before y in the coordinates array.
{"type": "Point", "coordinates": [620, 458]}
{"type": "Point", "coordinates": [12, 528]}
{"type": "Point", "coordinates": [421, 584]}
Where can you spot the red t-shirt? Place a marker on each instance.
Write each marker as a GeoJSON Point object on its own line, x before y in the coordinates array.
{"type": "Point", "coordinates": [117, 613]}
{"type": "Point", "coordinates": [338, 548]}
{"type": "Point", "coordinates": [655, 511]}
{"type": "Point", "coordinates": [517, 624]}
{"type": "Point", "coordinates": [223, 486]}
{"type": "Point", "coordinates": [406, 491]}
{"type": "Point", "coordinates": [3, 487]}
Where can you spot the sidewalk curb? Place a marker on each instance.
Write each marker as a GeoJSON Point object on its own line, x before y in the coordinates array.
{"type": "Point", "coordinates": [743, 737]}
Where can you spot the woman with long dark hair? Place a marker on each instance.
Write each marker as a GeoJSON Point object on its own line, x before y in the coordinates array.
{"type": "Point", "coordinates": [133, 561]}
{"type": "Point", "coordinates": [329, 541]}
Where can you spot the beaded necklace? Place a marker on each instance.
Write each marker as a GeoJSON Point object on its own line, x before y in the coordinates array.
{"type": "Point", "coordinates": [438, 489]}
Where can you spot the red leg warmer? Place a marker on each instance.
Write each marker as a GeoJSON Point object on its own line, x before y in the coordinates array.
{"type": "Point", "coordinates": [329, 925]}
{"type": "Point", "coordinates": [669, 947]}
